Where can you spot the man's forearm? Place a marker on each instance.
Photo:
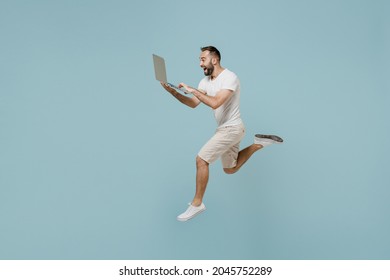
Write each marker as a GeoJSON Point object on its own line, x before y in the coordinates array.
{"type": "Point", "coordinates": [204, 98]}
{"type": "Point", "coordinates": [184, 99]}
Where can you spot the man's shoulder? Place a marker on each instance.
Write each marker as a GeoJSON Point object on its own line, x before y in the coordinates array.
{"type": "Point", "coordinates": [229, 74]}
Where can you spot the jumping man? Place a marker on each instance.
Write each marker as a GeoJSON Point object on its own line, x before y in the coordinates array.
{"type": "Point", "coordinates": [220, 90]}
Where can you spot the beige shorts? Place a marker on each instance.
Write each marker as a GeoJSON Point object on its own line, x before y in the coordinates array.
{"type": "Point", "coordinates": [225, 144]}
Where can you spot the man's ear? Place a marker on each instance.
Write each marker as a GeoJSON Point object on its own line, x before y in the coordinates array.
{"type": "Point", "coordinates": [214, 61]}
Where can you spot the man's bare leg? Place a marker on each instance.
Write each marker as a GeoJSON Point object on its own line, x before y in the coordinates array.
{"type": "Point", "coordinates": [243, 156]}
{"type": "Point", "coordinates": [202, 178]}
{"type": "Point", "coordinates": [261, 140]}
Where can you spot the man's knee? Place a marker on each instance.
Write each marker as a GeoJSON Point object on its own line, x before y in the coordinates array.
{"type": "Point", "coordinates": [230, 170]}
{"type": "Point", "coordinates": [201, 162]}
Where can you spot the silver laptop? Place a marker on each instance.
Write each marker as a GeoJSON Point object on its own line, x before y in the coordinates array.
{"type": "Point", "coordinates": [161, 73]}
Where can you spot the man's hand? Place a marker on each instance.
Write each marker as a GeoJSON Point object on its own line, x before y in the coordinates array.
{"type": "Point", "coordinates": [187, 88]}
{"type": "Point", "coordinates": [169, 89]}
{"type": "Point", "coordinates": [189, 101]}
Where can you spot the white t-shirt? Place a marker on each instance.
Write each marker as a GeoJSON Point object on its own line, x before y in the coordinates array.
{"type": "Point", "coordinates": [227, 114]}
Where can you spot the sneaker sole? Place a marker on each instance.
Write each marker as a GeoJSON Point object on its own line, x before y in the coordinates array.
{"type": "Point", "coordinates": [275, 138]}
{"type": "Point", "coordinates": [189, 218]}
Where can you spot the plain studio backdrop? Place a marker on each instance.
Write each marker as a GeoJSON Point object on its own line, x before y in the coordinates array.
{"type": "Point", "coordinates": [97, 160]}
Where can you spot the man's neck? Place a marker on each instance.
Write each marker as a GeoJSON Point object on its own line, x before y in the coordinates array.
{"type": "Point", "coordinates": [217, 70]}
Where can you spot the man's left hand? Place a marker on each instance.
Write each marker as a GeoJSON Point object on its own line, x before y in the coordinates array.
{"type": "Point", "coordinates": [186, 87]}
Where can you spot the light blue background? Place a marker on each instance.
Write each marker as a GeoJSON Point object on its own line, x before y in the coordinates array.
{"type": "Point", "coordinates": [97, 160]}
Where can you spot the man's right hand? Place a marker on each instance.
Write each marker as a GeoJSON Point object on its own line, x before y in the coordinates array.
{"type": "Point", "coordinates": [189, 101]}
{"type": "Point", "coordinates": [168, 88]}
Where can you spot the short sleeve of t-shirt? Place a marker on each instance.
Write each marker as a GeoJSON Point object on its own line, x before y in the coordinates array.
{"type": "Point", "coordinates": [230, 82]}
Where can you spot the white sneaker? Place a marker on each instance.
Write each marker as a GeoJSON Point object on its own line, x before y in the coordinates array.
{"type": "Point", "coordinates": [266, 140]}
{"type": "Point", "coordinates": [191, 212]}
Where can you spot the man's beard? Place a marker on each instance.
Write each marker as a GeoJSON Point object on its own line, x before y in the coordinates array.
{"type": "Point", "coordinates": [208, 70]}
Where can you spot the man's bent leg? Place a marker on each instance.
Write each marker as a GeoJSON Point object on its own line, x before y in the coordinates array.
{"type": "Point", "coordinates": [202, 178]}
{"type": "Point", "coordinates": [243, 156]}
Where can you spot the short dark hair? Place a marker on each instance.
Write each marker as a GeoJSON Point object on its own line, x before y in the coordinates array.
{"type": "Point", "coordinates": [213, 51]}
